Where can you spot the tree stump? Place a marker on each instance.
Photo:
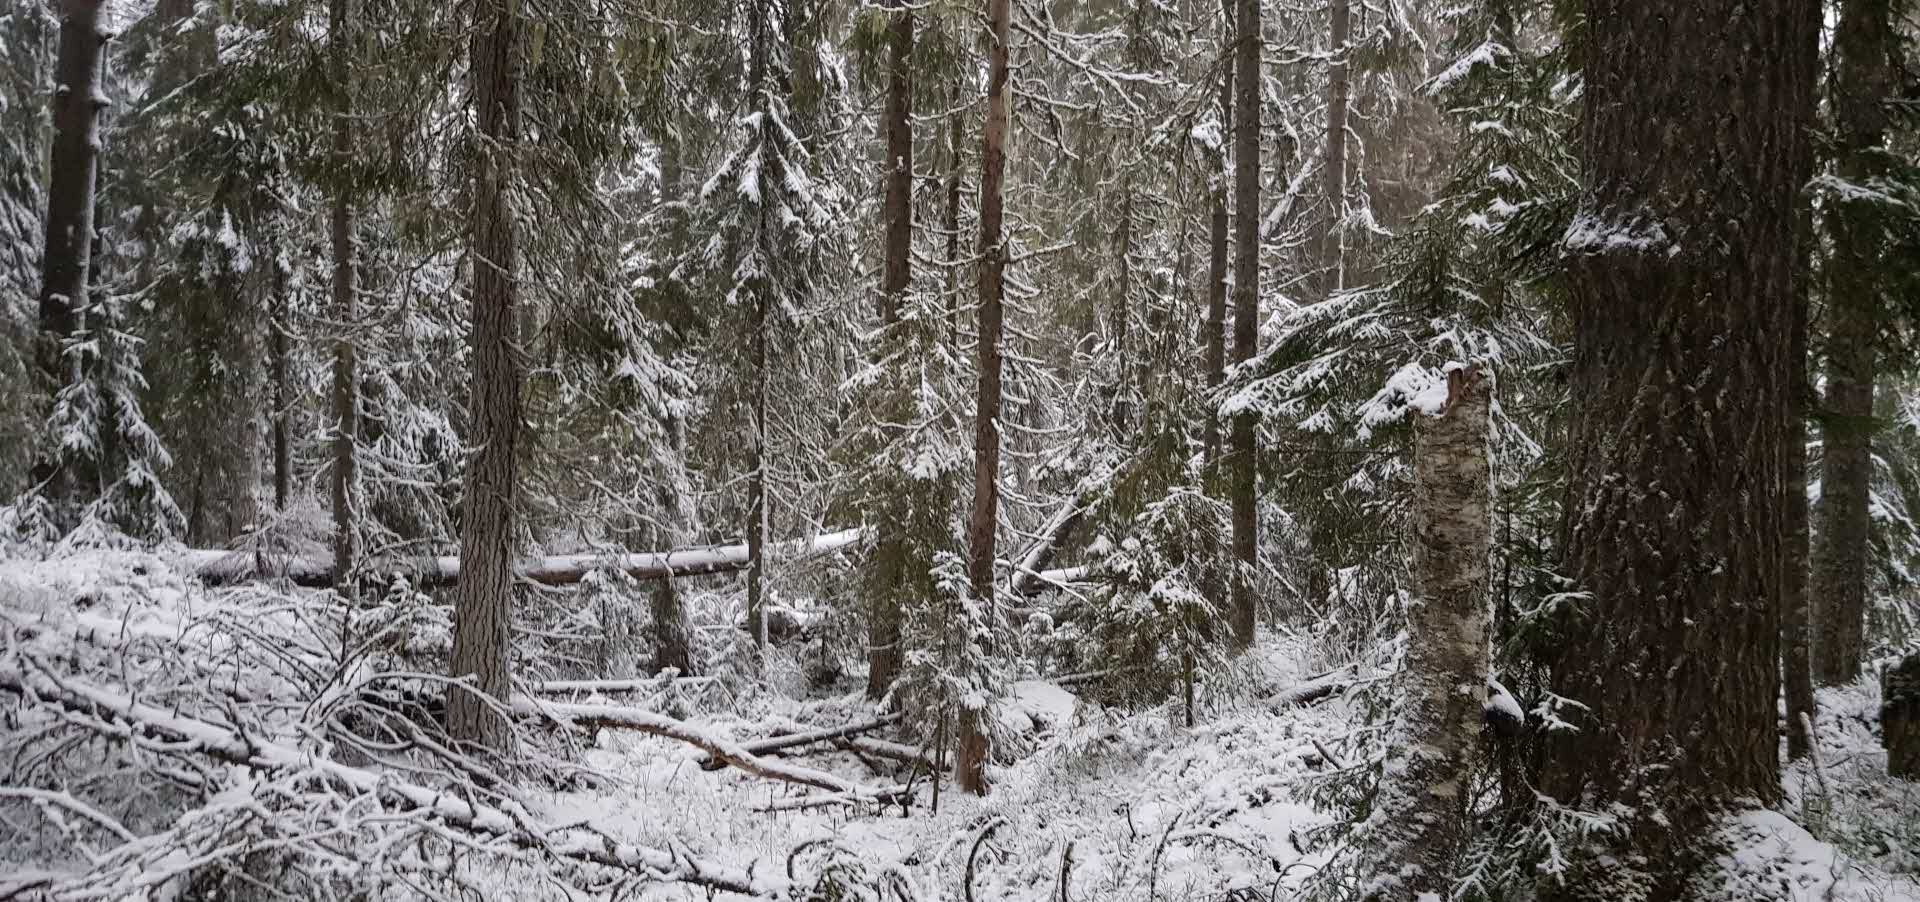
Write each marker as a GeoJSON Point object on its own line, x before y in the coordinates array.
{"type": "Point", "coordinates": [1900, 717]}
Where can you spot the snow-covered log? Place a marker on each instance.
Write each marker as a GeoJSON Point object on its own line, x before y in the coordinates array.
{"type": "Point", "coordinates": [118, 717]}
{"type": "Point", "coordinates": [222, 566]}
{"type": "Point", "coordinates": [725, 751]}
{"type": "Point", "coordinates": [809, 737]}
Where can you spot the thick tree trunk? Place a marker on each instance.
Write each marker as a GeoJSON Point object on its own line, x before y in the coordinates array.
{"type": "Point", "coordinates": [1246, 308]}
{"type": "Point", "coordinates": [78, 98]}
{"type": "Point", "coordinates": [483, 600]}
{"type": "Point", "coordinates": [1900, 717]}
{"type": "Point", "coordinates": [1796, 621]}
{"type": "Point", "coordinates": [971, 766]}
{"type": "Point", "coordinates": [883, 627]}
{"type": "Point", "coordinates": [1216, 337]}
{"type": "Point", "coordinates": [672, 632]}
{"type": "Point", "coordinates": [346, 402]}
{"type": "Point", "coordinates": [1681, 265]}
{"type": "Point", "coordinates": [1334, 176]}
{"type": "Point", "coordinates": [1421, 815]}
{"type": "Point", "coordinates": [1864, 76]}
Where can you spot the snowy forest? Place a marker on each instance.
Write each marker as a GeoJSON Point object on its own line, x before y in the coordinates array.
{"type": "Point", "coordinates": [960, 450]}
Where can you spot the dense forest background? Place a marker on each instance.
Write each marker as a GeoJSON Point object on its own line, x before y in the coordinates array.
{"type": "Point", "coordinates": [1498, 418]}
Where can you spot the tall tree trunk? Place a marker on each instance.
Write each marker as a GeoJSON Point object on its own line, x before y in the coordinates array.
{"type": "Point", "coordinates": [346, 402]}
{"type": "Point", "coordinates": [1681, 266]}
{"type": "Point", "coordinates": [1334, 186]}
{"type": "Point", "coordinates": [971, 765]}
{"type": "Point", "coordinates": [1130, 361]}
{"type": "Point", "coordinates": [883, 638]}
{"type": "Point", "coordinates": [1424, 804]}
{"type": "Point", "coordinates": [1216, 338]}
{"type": "Point", "coordinates": [78, 97]}
{"type": "Point", "coordinates": [757, 78]}
{"type": "Point", "coordinates": [1864, 77]}
{"type": "Point", "coordinates": [282, 392]}
{"type": "Point", "coordinates": [950, 221]}
{"type": "Point", "coordinates": [1246, 307]}
{"type": "Point", "coordinates": [1796, 621]}
{"type": "Point", "coordinates": [1900, 717]}
{"type": "Point", "coordinates": [483, 600]}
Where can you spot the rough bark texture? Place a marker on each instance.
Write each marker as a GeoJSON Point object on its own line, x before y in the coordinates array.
{"type": "Point", "coordinates": [883, 626]}
{"type": "Point", "coordinates": [1796, 620]}
{"type": "Point", "coordinates": [1218, 250]}
{"type": "Point", "coordinates": [971, 765]}
{"type": "Point", "coordinates": [1681, 261]}
{"type": "Point", "coordinates": [78, 99]}
{"type": "Point", "coordinates": [672, 631]}
{"type": "Point", "coordinates": [483, 600]}
{"type": "Point", "coordinates": [1246, 306]}
{"type": "Point", "coordinates": [282, 389]}
{"type": "Point", "coordinates": [1864, 76]}
{"type": "Point", "coordinates": [1334, 175]}
{"type": "Point", "coordinates": [1900, 717]}
{"type": "Point", "coordinates": [758, 77]}
{"type": "Point", "coordinates": [1420, 817]}
{"type": "Point", "coordinates": [346, 405]}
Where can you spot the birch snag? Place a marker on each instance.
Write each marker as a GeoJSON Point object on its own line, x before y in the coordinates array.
{"type": "Point", "coordinates": [971, 766]}
{"type": "Point", "coordinates": [483, 599]}
{"type": "Point", "coordinates": [1420, 818]}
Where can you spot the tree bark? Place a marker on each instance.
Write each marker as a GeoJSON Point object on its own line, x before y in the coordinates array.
{"type": "Point", "coordinates": [1864, 76]}
{"type": "Point", "coordinates": [1420, 817]}
{"type": "Point", "coordinates": [1681, 265]}
{"type": "Point", "coordinates": [483, 600]}
{"type": "Point", "coordinates": [1900, 717]}
{"type": "Point", "coordinates": [1216, 338]}
{"type": "Point", "coordinates": [883, 628]}
{"type": "Point", "coordinates": [1246, 309]}
{"type": "Point", "coordinates": [78, 98]}
{"type": "Point", "coordinates": [277, 338]}
{"type": "Point", "coordinates": [1334, 186]}
{"type": "Point", "coordinates": [346, 402]}
{"type": "Point", "coordinates": [971, 766]}
{"type": "Point", "coordinates": [758, 77]}
{"type": "Point", "coordinates": [1796, 619]}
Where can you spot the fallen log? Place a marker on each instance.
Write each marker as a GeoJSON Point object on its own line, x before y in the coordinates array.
{"type": "Point", "coordinates": [790, 740]}
{"type": "Point", "coordinates": [726, 751]}
{"type": "Point", "coordinates": [217, 566]}
{"type": "Point", "coordinates": [118, 717]}
{"type": "Point", "coordinates": [610, 687]}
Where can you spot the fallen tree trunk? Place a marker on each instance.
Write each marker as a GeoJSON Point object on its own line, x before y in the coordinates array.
{"type": "Point", "coordinates": [604, 687]}
{"type": "Point", "coordinates": [101, 711]}
{"type": "Point", "coordinates": [725, 751]}
{"type": "Point", "coordinates": [790, 740]}
{"type": "Point", "coordinates": [222, 566]}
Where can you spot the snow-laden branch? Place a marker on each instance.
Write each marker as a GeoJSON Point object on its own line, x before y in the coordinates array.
{"type": "Point", "coordinates": [118, 717]}
{"type": "Point", "coordinates": [222, 566]}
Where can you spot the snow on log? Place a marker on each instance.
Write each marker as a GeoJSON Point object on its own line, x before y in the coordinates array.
{"type": "Point", "coordinates": [224, 566]}
{"type": "Point", "coordinates": [726, 751]}
{"type": "Point", "coordinates": [791, 740]}
{"type": "Point", "coordinates": [117, 716]}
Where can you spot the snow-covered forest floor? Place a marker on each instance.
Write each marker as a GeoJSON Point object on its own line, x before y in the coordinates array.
{"type": "Point", "coordinates": [131, 695]}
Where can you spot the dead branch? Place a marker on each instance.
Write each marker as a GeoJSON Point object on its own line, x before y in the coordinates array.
{"type": "Point", "coordinates": [974, 854]}
{"type": "Point", "coordinates": [117, 717]}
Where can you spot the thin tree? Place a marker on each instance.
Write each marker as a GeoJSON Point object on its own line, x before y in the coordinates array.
{"type": "Point", "coordinates": [483, 600]}
{"type": "Point", "coordinates": [883, 641]}
{"type": "Point", "coordinates": [1219, 243]}
{"type": "Point", "coordinates": [1246, 307]}
{"type": "Point", "coordinates": [1796, 620]}
{"type": "Point", "coordinates": [346, 405]}
{"type": "Point", "coordinates": [1334, 173]}
{"type": "Point", "coordinates": [1681, 267]}
{"type": "Point", "coordinates": [970, 767]}
{"type": "Point", "coordinates": [1864, 75]}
